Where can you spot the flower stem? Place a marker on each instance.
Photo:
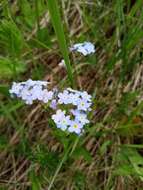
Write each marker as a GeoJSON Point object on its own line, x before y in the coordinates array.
{"type": "Point", "coordinates": [63, 160]}
{"type": "Point", "coordinates": [74, 145]}
{"type": "Point", "coordinates": [58, 168]}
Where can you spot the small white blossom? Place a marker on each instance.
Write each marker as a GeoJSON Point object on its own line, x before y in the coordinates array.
{"type": "Point", "coordinates": [73, 99]}
{"type": "Point", "coordinates": [61, 120]}
{"type": "Point", "coordinates": [15, 89]}
{"type": "Point", "coordinates": [80, 116]}
{"type": "Point", "coordinates": [86, 96]}
{"type": "Point", "coordinates": [53, 104]}
{"type": "Point", "coordinates": [31, 90]}
{"type": "Point", "coordinates": [58, 116]}
{"type": "Point", "coordinates": [83, 105]}
{"type": "Point", "coordinates": [36, 92]}
{"type": "Point", "coordinates": [47, 95]}
{"type": "Point", "coordinates": [76, 127]}
{"type": "Point", "coordinates": [85, 48]}
{"type": "Point", "coordinates": [63, 97]}
{"type": "Point", "coordinates": [62, 63]}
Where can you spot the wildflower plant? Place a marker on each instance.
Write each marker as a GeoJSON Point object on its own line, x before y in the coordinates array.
{"type": "Point", "coordinates": [68, 109]}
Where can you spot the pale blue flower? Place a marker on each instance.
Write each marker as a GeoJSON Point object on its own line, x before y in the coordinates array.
{"type": "Point", "coordinates": [82, 100]}
{"type": "Point", "coordinates": [15, 89]}
{"type": "Point", "coordinates": [83, 105]}
{"type": "Point", "coordinates": [58, 116]}
{"type": "Point", "coordinates": [73, 99]}
{"type": "Point", "coordinates": [47, 95]}
{"type": "Point", "coordinates": [62, 127]}
{"type": "Point", "coordinates": [76, 127]}
{"type": "Point", "coordinates": [85, 48]}
{"type": "Point", "coordinates": [80, 94]}
{"type": "Point", "coordinates": [31, 82]}
{"type": "Point", "coordinates": [53, 104]}
{"type": "Point", "coordinates": [36, 92]}
{"type": "Point", "coordinates": [63, 124]}
{"type": "Point", "coordinates": [61, 120]}
{"type": "Point", "coordinates": [79, 101]}
{"type": "Point", "coordinates": [80, 116]}
{"type": "Point", "coordinates": [63, 97]}
{"type": "Point", "coordinates": [86, 96]}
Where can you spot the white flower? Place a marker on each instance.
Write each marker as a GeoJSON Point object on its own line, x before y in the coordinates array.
{"type": "Point", "coordinates": [58, 116]}
{"type": "Point", "coordinates": [73, 99]}
{"type": "Point", "coordinates": [65, 121]}
{"type": "Point", "coordinates": [61, 120]}
{"type": "Point", "coordinates": [15, 89]}
{"type": "Point", "coordinates": [80, 116]}
{"type": "Point", "coordinates": [63, 97]}
{"type": "Point", "coordinates": [83, 105]}
{"type": "Point", "coordinates": [36, 92]}
{"type": "Point", "coordinates": [76, 127]}
{"type": "Point", "coordinates": [86, 96]}
{"type": "Point", "coordinates": [62, 63]}
{"type": "Point", "coordinates": [47, 95]}
{"type": "Point", "coordinates": [85, 48]}
{"type": "Point", "coordinates": [53, 104]}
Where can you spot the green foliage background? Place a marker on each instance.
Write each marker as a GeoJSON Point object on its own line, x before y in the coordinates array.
{"type": "Point", "coordinates": [34, 37]}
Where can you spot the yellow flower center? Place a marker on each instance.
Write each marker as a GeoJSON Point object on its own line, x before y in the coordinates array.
{"type": "Point", "coordinates": [64, 121]}
{"type": "Point", "coordinates": [75, 126]}
{"type": "Point", "coordinates": [82, 103]}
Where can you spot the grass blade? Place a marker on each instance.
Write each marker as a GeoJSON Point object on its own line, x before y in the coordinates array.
{"type": "Point", "coordinates": [58, 27]}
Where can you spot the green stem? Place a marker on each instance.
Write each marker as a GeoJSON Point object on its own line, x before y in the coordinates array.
{"type": "Point", "coordinates": [58, 168]}
{"type": "Point", "coordinates": [74, 145]}
{"type": "Point", "coordinates": [37, 15]}
{"type": "Point", "coordinates": [63, 160]}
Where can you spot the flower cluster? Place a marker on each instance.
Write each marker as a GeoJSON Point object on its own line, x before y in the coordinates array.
{"type": "Point", "coordinates": [76, 103]}
{"type": "Point", "coordinates": [31, 90]}
{"type": "Point", "coordinates": [85, 48]}
{"type": "Point", "coordinates": [74, 121]}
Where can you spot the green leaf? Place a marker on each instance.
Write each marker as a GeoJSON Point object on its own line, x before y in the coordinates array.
{"type": "Point", "coordinates": [27, 16]}
{"type": "Point", "coordinates": [124, 170]}
{"type": "Point", "coordinates": [3, 142]}
{"type": "Point", "coordinates": [35, 182]}
{"type": "Point", "coordinates": [104, 147]}
{"type": "Point", "coordinates": [10, 68]}
{"type": "Point", "coordinates": [136, 7]}
{"type": "Point", "coordinates": [4, 89]}
{"type": "Point", "coordinates": [11, 39]}
{"type": "Point", "coordinates": [130, 162]}
{"type": "Point", "coordinates": [48, 160]}
{"type": "Point", "coordinates": [81, 151]}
